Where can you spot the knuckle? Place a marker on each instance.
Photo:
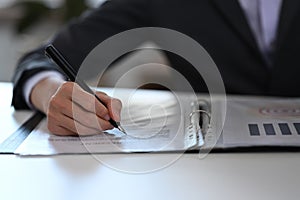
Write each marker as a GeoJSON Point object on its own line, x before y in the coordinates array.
{"type": "Point", "coordinates": [57, 103]}
{"type": "Point", "coordinates": [66, 87]}
{"type": "Point", "coordinates": [91, 104]}
{"type": "Point", "coordinates": [53, 100]}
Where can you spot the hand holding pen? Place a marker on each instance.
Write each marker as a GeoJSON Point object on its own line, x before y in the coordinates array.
{"type": "Point", "coordinates": [94, 111]}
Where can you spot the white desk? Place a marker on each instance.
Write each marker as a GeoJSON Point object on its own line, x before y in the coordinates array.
{"type": "Point", "coordinates": [218, 176]}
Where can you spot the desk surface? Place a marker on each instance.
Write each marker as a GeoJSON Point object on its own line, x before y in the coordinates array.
{"type": "Point", "coordinates": [143, 176]}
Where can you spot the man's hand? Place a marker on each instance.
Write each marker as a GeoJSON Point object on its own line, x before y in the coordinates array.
{"type": "Point", "coordinates": [72, 111]}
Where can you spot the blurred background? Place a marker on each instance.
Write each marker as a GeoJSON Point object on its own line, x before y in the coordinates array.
{"type": "Point", "coordinates": [25, 24]}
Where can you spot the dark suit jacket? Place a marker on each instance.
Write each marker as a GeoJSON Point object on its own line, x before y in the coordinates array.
{"type": "Point", "coordinates": [219, 26]}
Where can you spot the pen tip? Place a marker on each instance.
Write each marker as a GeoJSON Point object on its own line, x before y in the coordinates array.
{"type": "Point", "coordinates": [122, 130]}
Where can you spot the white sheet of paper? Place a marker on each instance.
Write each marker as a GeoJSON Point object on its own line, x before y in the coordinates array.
{"type": "Point", "coordinates": [261, 113]}
{"type": "Point", "coordinates": [152, 125]}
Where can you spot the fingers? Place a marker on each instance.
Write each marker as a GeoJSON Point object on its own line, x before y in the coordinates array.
{"type": "Point", "coordinates": [70, 126]}
{"type": "Point", "coordinates": [89, 103]}
{"type": "Point", "coordinates": [72, 111]}
{"type": "Point", "coordinates": [113, 105]}
{"type": "Point", "coordinates": [60, 131]}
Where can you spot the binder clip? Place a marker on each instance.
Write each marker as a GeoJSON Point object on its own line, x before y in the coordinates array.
{"type": "Point", "coordinates": [194, 136]}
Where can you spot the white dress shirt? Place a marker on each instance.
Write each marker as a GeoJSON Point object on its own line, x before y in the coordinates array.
{"type": "Point", "coordinates": [262, 17]}
{"type": "Point", "coordinates": [30, 83]}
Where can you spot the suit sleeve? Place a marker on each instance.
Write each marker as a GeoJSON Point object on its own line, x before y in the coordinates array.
{"type": "Point", "coordinates": [29, 65]}
{"type": "Point", "coordinates": [79, 37]}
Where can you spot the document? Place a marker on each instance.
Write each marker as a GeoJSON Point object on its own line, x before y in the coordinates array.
{"type": "Point", "coordinates": [261, 122]}
{"type": "Point", "coordinates": [164, 125]}
{"type": "Point", "coordinates": [152, 125]}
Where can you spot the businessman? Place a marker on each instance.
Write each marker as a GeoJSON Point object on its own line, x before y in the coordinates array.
{"type": "Point", "coordinates": [254, 43]}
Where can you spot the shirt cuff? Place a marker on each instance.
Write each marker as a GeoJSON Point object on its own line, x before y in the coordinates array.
{"type": "Point", "coordinates": [30, 83]}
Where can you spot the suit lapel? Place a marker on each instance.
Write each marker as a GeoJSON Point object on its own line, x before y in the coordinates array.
{"type": "Point", "coordinates": [277, 80]}
{"type": "Point", "coordinates": [288, 12]}
{"type": "Point", "coordinates": [234, 16]}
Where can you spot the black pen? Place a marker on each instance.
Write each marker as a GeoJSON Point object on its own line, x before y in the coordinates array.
{"type": "Point", "coordinates": [66, 67]}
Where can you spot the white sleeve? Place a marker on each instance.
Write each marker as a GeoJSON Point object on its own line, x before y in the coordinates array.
{"type": "Point", "coordinates": [30, 83]}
